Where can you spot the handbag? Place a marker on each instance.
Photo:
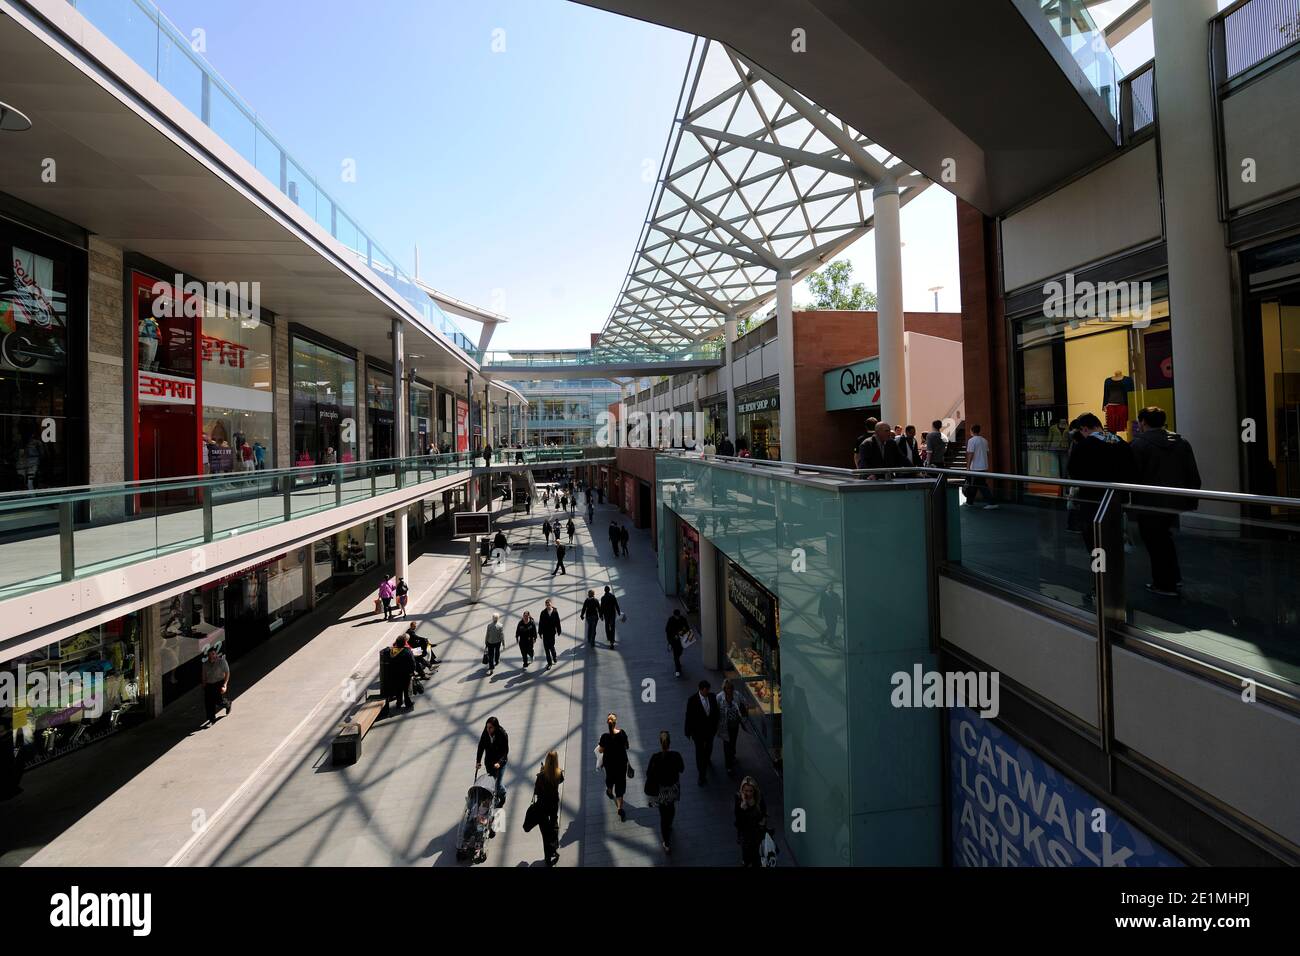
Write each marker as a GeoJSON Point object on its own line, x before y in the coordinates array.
{"type": "Point", "coordinates": [487, 656]}
{"type": "Point", "coordinates": [651, 787]}
{"type": "Point", "coordinates": [532, 816]}
{"type": "Point", "coordinates": [630, 772]}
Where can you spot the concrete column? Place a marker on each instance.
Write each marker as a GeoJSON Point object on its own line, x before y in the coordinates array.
{"type": "Point", "coordinates": [149, 620]}
{"type": "Point", "coordinates": [1200, 291]}
{"type": "Point", "coordinates": [108, 370]}
{"type": "Point", "coordinates": [730, 328]}
{"type": "Point", "coordinates": [889, 296]}
{"type": "Point", "coordinates": [697, 426]}
{"type": "Point", "coordinates": [710, 639]}
{"type": "Point", "coordinates": [363, 443]}
{"type": "Point", "coordinates": [785, 343]}
{"type": "Point", "coordinates": [401, 426]}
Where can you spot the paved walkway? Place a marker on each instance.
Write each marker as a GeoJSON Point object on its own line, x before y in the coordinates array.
{"type": "Point", "coordinates": [259, 788]}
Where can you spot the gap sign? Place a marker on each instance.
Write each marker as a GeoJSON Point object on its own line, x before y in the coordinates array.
{"type": "Point", "coordinates": [853, 386]}
{"type": "Point", "coordinates": [1010, 808]}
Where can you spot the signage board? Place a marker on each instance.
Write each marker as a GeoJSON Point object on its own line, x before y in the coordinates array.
{"type": "Point", "coordinates": [466, 523]}
{"type": "Point", "coordinates": [462, 426]}
{"type": "Point", "coordinates": [853, 386]}
{"type": "Point", "coordinates": [1012, 808]}
{"type": "Point", "coordinates": [768, 403]}
{"type": "Point", "coordinates": [157, 388]}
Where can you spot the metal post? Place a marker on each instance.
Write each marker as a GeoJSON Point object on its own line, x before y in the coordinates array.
{"type": "Point", "coordinates": [288, 501]}
{"type": "Point", "coordinates": [1108, 539]}
{"type": "Point", "coordinates": [730, 331]}
{"type": "Point", "coordinates": [67, 554]}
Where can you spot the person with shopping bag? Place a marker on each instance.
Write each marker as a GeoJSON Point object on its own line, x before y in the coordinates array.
{"type": "Point", "coordinates": [751, 821]}
{"type": "Point", "coordinates": [731, 711]}
{"type": "Point", "coordinates": [386, 592]}
{"type": "Point", "coordinates": [663, 786]}
{"type": "Point", "coordinates": [545, 809]}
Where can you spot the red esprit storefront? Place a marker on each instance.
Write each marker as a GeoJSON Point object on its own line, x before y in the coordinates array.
{"type": "Point", "coordinates": [203, 398]}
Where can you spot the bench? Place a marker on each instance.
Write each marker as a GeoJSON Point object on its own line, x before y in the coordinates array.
{"type": "Point", "coordinates": [347, 742]}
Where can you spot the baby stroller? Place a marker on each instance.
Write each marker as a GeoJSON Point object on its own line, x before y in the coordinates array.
{"type": "Point", "coordinates": [480, 821]}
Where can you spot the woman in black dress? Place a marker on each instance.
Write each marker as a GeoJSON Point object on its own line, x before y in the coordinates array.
{"type": "Point", "coordinates": [526, 637]}
{"type": "Point", "coordinates": [613, 747]}
{"type": "Point", "coordinates": [547, 792]}
{"type": "Point", "coordinates": [663, 785]}
{"type": "Point", "coordinates": [751, 821]}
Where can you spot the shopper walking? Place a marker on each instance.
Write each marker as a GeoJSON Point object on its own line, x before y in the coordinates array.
{"type": "Point", "coordinates": [493, 750]}
{"type": "Point", "coordinates": [676, 629]}
{"type": "Point", "coordinates": [731, 711]}
{"type": "Point", "coordinates": [978, 460]}
{"type": "Point", "coordinates": [615, 540]}
{"type": "Point", "coordinates": [726, 448]}
{"type": "Point", "coordinates": [591, 510]}
{"type": "Point", "coordinates": [549, 626]}
{"type": "Point", "coordinates": [495, 637]}
{"type": "Point", "coordinates": [623, 538]}
{"type": "Point", "coordinates": [663, 786]}
{"type": "Point", "coordinates": [571, 528]}
{"type": "Point", "coordinates": [591, 614]}
{"type": "Point", "coordinates": [560, 551]}
{"type": "Point", "coordinates": [546, 794]}
{"type": "Point", "coordinates": [526, 637]}
{"type": "Point", "coordinates": [751, 821]}
{"type": "Point", "coordinates": [400, 592]}
{"type": "Point", "coordinates": [1164, 458]}
{"type": "Point", "coordinates": [609, 612]}
{"type": "Point", "coordinates": [936, 446]}
{"type": "Point", "coordinates": [386, 592]}
{"type": "Point", "coordinates": [546, 531]}
{"type": "Point", "coordinates": [1097, 456]}
{"type": "Point", "coordinates": [613, 748]}
{"type": "Point", "coordinates": [216, 684]}
{"type": "Point", "coordinates": [880, 451]}
{"type": "Point", "coordinates": [702, 727]}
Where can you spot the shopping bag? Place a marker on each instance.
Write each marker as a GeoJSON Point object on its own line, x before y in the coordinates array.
{"type": "Point", "coordinates": [378, 605]}
{"type": "Point", "coordinates": [689, 639]}
{"type": "Point", "coordinates": [600, 757]}
{"type": "Point", "coordinates": [768, 851]}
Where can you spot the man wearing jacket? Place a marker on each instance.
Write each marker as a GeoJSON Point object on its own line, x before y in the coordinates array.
{"type": "Point", "coordinates": [880, 450]}
{"type": "Point", "coordinates": [548, 625]}
{"type": "Point", "coordinates": [1164, 458]}
{"type": "Point", "coordinates": [609, 611]}
{"type": "Point", "coordinates": [493, 748]}
{"type": "Point", "coordinates": [702, 727]}
{"type": "Point", "coordinates": [1098, 456]}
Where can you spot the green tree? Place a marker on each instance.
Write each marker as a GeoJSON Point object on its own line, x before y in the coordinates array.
{"type": "Point", "coordinates": [832, 288]}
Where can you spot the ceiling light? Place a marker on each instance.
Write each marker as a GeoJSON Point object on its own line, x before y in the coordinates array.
{"type": "Point", "coordinates": [12, 120]}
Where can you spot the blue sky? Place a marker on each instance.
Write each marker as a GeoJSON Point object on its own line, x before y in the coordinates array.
{"type": "Point", "coordinates": [519, 173]}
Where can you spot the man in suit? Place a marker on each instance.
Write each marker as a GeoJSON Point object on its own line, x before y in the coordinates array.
{"type": "Point", "coordinates": [609, 612]}
{"type": "Point", "coordinates": [548, 625]}
{"type": "Point", "coordinates": [880, 450]}
{"type": "Point", "coordinates": [559, 557]}
{"type": "Point", "coordinates": [702, 727]}
{"type": "Point", "coordinates": [908, 447]}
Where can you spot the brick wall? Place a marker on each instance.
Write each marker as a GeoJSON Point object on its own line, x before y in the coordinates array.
{"type": "Point", "coordinates": [824, 340]}
{"type": "Point", "coordinates": [106, 366]}
{"type": "Point", "coordinates": [984, 337]}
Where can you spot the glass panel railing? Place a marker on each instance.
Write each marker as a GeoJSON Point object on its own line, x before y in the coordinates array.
{"type": "Point", "coordinates": [709, 351]}
{"type": "Point", "coordinates": [1071, 21]}
{"type": "Point", "coordinates": [55, 535]}
{"type": "Point", "coordinates": [158, 47]}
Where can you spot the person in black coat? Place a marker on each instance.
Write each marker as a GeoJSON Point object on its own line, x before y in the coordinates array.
{"type": "Point", "coordinates": [559, 556]}
{"type": "Point", "coordinates": [614, 538]}
{"type": "Point", "coordinates": [526, 636]}
{"type": "Point", "coordinates": [609, 611]}
{"type": "Point", "coordinates": [591, 614]}
{"type": "Point", "coordinates": [546, 790]}
{"type": "Point", "coordinates": [549, 626]}
{"type": "Point", "coordinates": [674, 630]}
{"type": "Point", "coordinates": [880, 450]}
{"type": "Point", "coordinates": [399, 665]}
{"type": "Point", "coordinates": [1097, 456]}
{"type": "Point", "coordinates": [571, 528]}
{"type": "Point", "coordinates": [663, 784]}
{"type": "Point", "coordinates": [702, 727]}
{"type": "Point", "coordinates": [751, 821]}
{"type": "Point", "coordinates": [725, 447]}
{"type": "Point", "coordinates": [546, 531]}
{"type": "Point", "coordinates": [493, 749]}
{"type": "Point", "coordinates": [623, 537]}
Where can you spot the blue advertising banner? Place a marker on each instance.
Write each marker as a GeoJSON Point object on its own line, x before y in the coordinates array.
{"type": "Point", "coordinates": [1010, 808]}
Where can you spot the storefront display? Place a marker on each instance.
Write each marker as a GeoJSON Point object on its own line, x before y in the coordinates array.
{"type": "Point", "coordinates": [462, 425]}
{"type": "Point", "coordinates": [688, 566]}
{"type": "Point", "coordinates": [75, 691]}
{"type": "Point", "coordinates": [1271, 327]}
{"type": "Point", "coordinates": [379, 413]}
{"type": "Point", "coordinates": [752, 653]}
{"type": "Point", "coordinates": [324, 407]}
{"type": "Point", "coordinates": [421, 433]}
{"type": "Point", "coordinates": [42, 361]}
{"type": "Point", "coordinates": [168, 382]}
{"type": "Point", "coordinates": [1112, 366]}
{"type": "Point", "coordinates": [356, 551]}
{"type": "Point", "coordinates": [238, 400]}
{"type": "Point", "coordinates": [758, 421]}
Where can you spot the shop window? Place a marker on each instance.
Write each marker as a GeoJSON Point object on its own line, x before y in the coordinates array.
{"type": "Point", "coordinates": [324, 404]}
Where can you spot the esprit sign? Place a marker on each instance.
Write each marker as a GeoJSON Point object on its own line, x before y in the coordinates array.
{"type": "Point", "coordinates": [853, 386]}
{"type": "Point", "coordinates": [155, 388]}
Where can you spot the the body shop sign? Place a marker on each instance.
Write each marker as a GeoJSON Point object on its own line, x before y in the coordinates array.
{"type": "Point", "coordinates": [853, 386]}
{"type": "Point", "coordinates": [1010, 808]}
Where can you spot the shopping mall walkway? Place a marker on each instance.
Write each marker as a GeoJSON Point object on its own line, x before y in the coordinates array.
{"type": "Point", "coordinates": [259, 788]}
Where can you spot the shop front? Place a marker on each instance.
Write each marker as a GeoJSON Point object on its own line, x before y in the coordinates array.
{"type": "Point", "coordinates": [43, 334]}
{"type": "Point", "coordinates": [324, 406]}
{"type": "Point", "coordinates": [445, 404]}
{"type": "Point", "coordinates": [65, 695]}
{"type": "Point", "coordinates": [421, 432]}
{"type": "Point", "coordinates": [380, 437]}
{"type": "Point", "coordinates": [1112, 365]}
{"type": "Point", "coordinates": [715, 417]}
{"type": "Point", "coordinates": [751, 652]}
{"type": "Point", "coordinates": [688, 566]}
{"type": "Point", "coordinates": [1271, 332]}
{"type": "Point", "coordinates": [758, 421]}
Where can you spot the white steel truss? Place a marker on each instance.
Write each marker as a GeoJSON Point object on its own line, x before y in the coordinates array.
{"type": "Point", "coordinates": [756, 181]}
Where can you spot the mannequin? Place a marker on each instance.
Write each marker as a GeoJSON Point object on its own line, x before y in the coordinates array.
{"type": "Point", "coordinates": [1114, 400]}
